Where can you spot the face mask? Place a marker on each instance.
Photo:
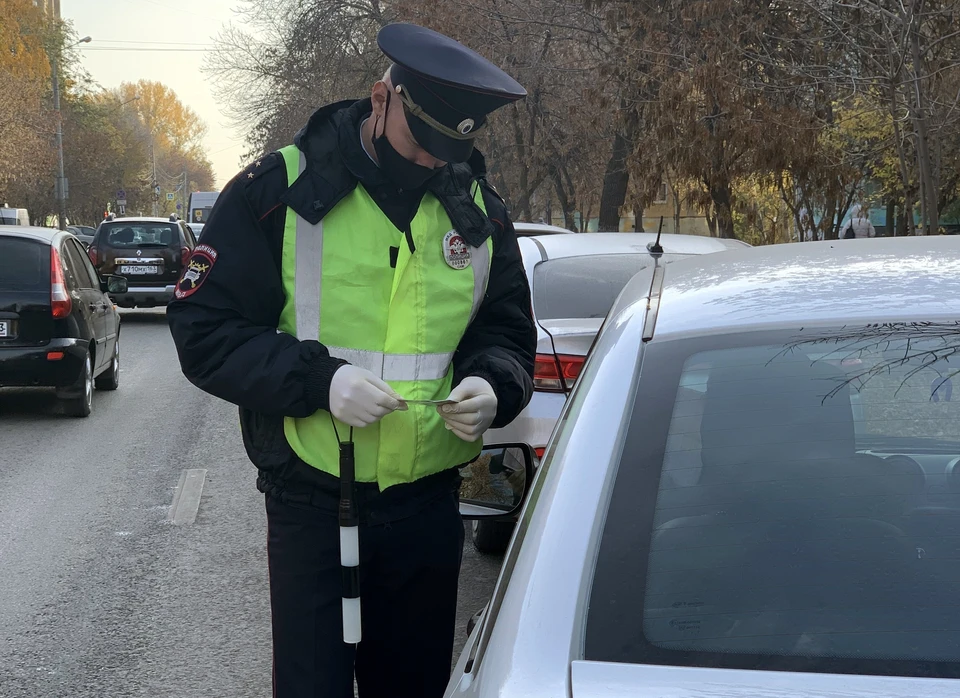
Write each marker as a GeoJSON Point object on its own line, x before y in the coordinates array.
{"type": "Point", "coordinates": [399, 170]}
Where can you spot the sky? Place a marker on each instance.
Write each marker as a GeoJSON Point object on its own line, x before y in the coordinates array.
{"type": "Point", "coordinates": [191, 24]}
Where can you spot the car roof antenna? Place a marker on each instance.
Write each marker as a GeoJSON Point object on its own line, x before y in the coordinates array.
{"type": "Point", "coordinates": [654, 247]}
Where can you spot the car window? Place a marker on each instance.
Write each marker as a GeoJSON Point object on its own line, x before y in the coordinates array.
{"type": "Point", "coordinates": [84, 262]}
{"type": "Point", "coordinates": [188, 234]}
{"type": "Point", "coordinates": [70, 269]}
{"type": "Point", "coordinates": [76, 262]}
{"type": "Point", "coordinates": [125, 235]}
{"type": "Point", "coordinates": [583, 287]}
{"type": "Point", "coordinates": [24, 265]}
{"type": "Point", "coordinates": [795, 507]}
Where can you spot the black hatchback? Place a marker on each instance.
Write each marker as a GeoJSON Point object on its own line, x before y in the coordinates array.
{"type": "Point", "coordinates": [58, 327]}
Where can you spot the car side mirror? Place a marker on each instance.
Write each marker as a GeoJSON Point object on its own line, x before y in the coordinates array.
{"type": "Point", "coordinates": [112, 283]}
{"type": "Point", "coordinates": [495, 485]}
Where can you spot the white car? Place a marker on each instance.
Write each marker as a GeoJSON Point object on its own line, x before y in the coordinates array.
{"type": "Point", "coordinates": [713, 517]}
{"type": "Point", "coordinates": [574, 279]}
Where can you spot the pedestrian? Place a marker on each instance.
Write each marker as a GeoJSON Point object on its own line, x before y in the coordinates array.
{"type": "Point", "coordinates": [367, 264]}
{"type": "Point", "coordinates": [859, 225]}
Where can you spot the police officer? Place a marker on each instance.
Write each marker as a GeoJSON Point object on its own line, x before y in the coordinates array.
{"type": "Point", "coordinates": [366, 265]}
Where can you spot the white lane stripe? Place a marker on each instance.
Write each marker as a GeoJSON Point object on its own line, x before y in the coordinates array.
{"type": "Point", "coordinates": [186, 500]}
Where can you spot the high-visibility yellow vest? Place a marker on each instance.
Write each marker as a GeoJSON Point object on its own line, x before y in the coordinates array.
{"type": "Point", "coordinates": [403, 324]}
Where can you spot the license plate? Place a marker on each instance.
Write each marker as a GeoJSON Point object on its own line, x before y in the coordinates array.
{"type": "Point", "coordinates": [4, 328]}
{"type": "Point", "coordinates": [133, 270]}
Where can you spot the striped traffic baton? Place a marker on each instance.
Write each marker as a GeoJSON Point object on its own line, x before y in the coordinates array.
{"type": "Point", "coordinates": [349, 542]}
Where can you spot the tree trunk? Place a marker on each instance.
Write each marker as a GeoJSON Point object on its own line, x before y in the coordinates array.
{"type": "Point", "coordinates": [722, 197]}
{"type": "Point", "coordinates": [898, 141]}
{"type": "Point", "coordinates": [924, 221]}
{"type": "Point", "coordinates": [617, 177]}
{"type": "Point", "coordinates": [891, 216]}
{"type": "Point", "coordinates": [562, 198]}
{"type": "Point", "coordinates": [615, 181]}
{"type": "Point", "coordinates": [523, 198]}
{"type": "Point", "coordinates": [928, 178]}
{"type": "Point", "coordinates": [637, 218]}
{"type": "Point", "coordinates": [712, 221]}
{"type": "Point", "coordinates": [677, 210]}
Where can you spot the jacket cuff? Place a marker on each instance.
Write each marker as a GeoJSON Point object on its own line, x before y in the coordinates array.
{"type": "Point", "coordinates": [319, 376]}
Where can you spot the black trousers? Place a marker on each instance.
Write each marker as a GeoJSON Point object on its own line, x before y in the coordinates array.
{"type": "Point", "coordinates": [409, 571]}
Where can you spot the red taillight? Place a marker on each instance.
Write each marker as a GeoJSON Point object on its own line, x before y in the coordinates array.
{"type": "Point", "coordinates": [92, 254]}
{"type": "Point", "coordinates": [60, 301]}
{"type": "Point", "coordinates": [556, 374]}
{"type": "Point", "coordinates": [54, 355]}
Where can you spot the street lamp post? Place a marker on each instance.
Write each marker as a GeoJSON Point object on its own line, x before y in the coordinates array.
{"type": "Point", "coordinates": [61, 188]}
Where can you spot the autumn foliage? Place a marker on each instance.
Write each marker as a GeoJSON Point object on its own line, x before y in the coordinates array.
{"type": "Point", "coordinates": [110, 136]}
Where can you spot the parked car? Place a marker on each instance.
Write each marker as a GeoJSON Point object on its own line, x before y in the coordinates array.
{"type": "Point", "coordinates": [574, 281]}
{"type": "Point", "coordinates": [712, 517]}
{"type": "Point", "coordinates": [150, 252]}
{"type": "Point", "coordinates": [58, 327]}
{"type": "Point", "coordinates": [84, 233]}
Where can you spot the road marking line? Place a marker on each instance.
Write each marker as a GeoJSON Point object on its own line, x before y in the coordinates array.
{"type": "Point", "coordinates": [186, 500]}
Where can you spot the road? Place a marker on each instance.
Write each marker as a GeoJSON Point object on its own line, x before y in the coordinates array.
{"type": "Point", "coordinates": [100, 594]}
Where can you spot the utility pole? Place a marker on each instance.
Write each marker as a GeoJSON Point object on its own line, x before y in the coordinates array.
{"type": "Point", "coordinates": [61, 184]}
{"type": "Point", "coordinates": [156, 187]}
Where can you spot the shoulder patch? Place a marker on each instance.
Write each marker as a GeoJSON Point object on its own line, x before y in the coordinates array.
{"type": "Point", "coordinates": [261, 165]}
{"type": "Point", "coordinates": [196, 271]}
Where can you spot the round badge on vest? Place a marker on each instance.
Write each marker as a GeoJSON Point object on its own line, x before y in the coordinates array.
{"type": "Point", "coordinates": [455, 250]}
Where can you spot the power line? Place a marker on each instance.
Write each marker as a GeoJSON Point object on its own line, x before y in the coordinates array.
{"type": "Point", "coordinates": [153, 43]}
{"type": "Point", "coordinates": [134, 48]}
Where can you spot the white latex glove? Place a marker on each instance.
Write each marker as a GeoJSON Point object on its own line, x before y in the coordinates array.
{"type": "Point", "coordinates": [359, 398]}
{"type": "Point", "coordinates": [474, 411]}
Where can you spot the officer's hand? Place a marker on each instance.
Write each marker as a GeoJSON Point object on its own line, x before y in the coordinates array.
{"type": "Point", "coordinates": [359, 398]}
{"type": "Point", "coordinates": [474, 411]}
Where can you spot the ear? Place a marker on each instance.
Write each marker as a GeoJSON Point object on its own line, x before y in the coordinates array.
{"type": "Point", "coordinates": [378, 96]}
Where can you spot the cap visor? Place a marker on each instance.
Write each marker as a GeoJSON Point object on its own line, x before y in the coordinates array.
{"type": "Point", "coordinates": [439, 146]}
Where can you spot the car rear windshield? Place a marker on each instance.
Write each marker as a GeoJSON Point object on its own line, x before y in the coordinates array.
{"type": "Point", "coordinates": [789, 501]}
{"type": "Point", "coordinates": [583, 287]}
{"type": "Point", "coordinates": [24, 265]}
{"type": "Point", "coordinates": [125, 235]}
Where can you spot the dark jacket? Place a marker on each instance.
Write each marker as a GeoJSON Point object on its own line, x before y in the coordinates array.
{"type": "Point", "coordinates": [225, 330]}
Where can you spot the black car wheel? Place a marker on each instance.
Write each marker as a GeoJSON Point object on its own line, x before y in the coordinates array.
{"type": "Point", "coordinates": [492, 537]}
{"type": "Point", "coordinates": [82, 404]}
{"type": "Point", "coordinates": [110, 379]}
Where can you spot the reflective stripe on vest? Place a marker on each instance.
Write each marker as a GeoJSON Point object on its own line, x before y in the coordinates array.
{"type": "Point", "coordinates": [309, 285]}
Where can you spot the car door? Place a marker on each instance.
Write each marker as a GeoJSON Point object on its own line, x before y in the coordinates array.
{"type": "Point", "coordinates": [93, 304]}
{"type": "Point", "coordinates": [109, 318]}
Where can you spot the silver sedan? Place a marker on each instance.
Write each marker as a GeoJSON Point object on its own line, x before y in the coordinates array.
{"type": "Point", "coordinates": [574, 279]}
{"type": "Point", "coordinates": [753, 490]}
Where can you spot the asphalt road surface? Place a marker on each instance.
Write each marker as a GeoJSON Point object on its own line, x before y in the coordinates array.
{"type": "Point", "coordinates": [99, 594]}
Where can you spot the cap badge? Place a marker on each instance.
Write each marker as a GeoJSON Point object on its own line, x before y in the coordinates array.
{"type": "Point", "coordinates": [466, 126]}
{"type": "Point", "coordinates": [455, 250]}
